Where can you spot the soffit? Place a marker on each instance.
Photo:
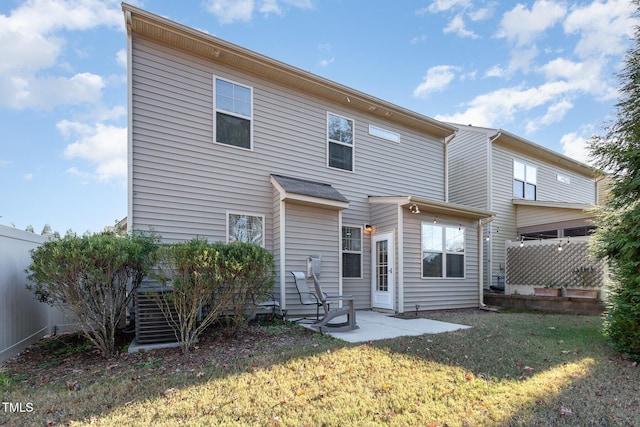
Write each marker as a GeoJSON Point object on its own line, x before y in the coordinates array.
{"type": "Point", "coordinates": [161, 29]}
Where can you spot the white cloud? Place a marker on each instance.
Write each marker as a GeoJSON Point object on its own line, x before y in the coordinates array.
{"type": "Point", "coordinates": [436, 80]}
{"type": "Point", "coordinates": [229, 11]}
{"type": "Point", "coordinates": [576, 147]}
{"type": "Point", "coordinates": [327, 62]}
{"type": "Point", "coordinates": [418, 39]}
{"type": "Point", "coordinates": [457, 26]}
{"type": "Point", "coordinates": [522, 26]}
{"type": "Point", "coordinates": [31, 41]}
{"type": "Point", "coordinates": [105, 146]}
{"type": "Point", "coordinates": [27, 177]}
{"type": "Point", "coordinates": [496, 71]}
{"type": "Point", "coordinates": [555, 113]}
{"type": "Point", "coordinates": [47, 92]}
{"type": "Point", "coordinates": [604, 28]}
{"type": "Point", "coordinates": [121, 57]}
{"type": "Point", "coordinates": [445, 5]}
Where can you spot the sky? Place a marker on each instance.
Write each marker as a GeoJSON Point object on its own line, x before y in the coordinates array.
{"type": "Point", "coordinates": [545, 70]}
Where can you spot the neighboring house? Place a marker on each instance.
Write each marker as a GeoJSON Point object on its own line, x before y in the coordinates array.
{"type": "Point", "coordinates": [535, 192]}
{"type": "Point", "coordinates": [227, 144]}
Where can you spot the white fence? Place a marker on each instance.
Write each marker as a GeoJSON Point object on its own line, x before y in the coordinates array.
{"type": "Point", "coordinates": [23, 319]}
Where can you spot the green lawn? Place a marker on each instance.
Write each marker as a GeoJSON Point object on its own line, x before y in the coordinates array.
{"type": "Point", "coordinates": [509, 369]}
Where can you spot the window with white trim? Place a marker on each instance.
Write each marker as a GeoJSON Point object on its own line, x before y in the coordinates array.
{"type": "Point", "coordinates": [524, 180]}
{"type": "Point", "coordinates": [352, 252]}
{"type": "Point", "coordinates": [443, 250]}
{"type": "Point", "coordinates": [233, 110]}
{"type": "Point", "coordinates": [245, 228]}
{"type": "Point", "coordinates": [339, 142]}
{"type": "Point", "coordinates": [383, 133]}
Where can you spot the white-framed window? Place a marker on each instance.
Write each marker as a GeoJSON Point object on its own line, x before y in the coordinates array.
{"type": "Point", "coordinates": [443, 250]}
{"type": "Point", "coordinates": [233, 105]}
{"type": "Point", "coordinates": [243, 227]}
{"type": "Point", "coordinates": [352, 252]}
{"type": "Point", "coordinates": [524, 180]}
{"type": "Point", "coordinates": [340, 142]}
{"type": "Point", "coordinates": [384, 133]}
{"type": "Point", "coordinates": [566, 179]}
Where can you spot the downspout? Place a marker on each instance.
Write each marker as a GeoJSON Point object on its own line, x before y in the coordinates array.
{"type": "Point", "coordinates": [446, 165]}
{"type": "Point", "coordinates": [481, 224]}
{"type": "Point", "coordinates": [489, 174]}
{"type": "Point", "coordinates": [130, 219]}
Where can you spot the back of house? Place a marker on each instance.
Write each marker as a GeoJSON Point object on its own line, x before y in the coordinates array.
{"type": "Point", "coordinates": [226, 144]}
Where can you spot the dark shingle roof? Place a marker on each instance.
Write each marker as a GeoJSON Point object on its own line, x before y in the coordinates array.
{"type": "Point", "coordinates": [309, 188]}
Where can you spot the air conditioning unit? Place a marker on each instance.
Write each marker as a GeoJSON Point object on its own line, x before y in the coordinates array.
{"type": "Point", "coordinates": [152, 326]}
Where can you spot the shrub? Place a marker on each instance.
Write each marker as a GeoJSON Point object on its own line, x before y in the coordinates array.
{"type": "Point", "coordinates": [93, 276]}
{"type": "Point", "coordinates": [208, 280]}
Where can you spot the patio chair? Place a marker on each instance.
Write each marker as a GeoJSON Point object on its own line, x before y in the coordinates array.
{"type": "Point", "coordinates": [325, 323]}
{"type": "Point", "coordinates": [306, 296]}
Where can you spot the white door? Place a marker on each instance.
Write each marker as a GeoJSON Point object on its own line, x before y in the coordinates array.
{"type": "Point", "coordinates": [382, 274]}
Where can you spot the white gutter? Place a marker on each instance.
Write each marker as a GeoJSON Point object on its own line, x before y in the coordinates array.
{"type": "Point", "coordinates": [481, 224]}
{"type": "Point", "coordinates": [446, 165]}
{"type": "Point", "coordinates": [130, 219]}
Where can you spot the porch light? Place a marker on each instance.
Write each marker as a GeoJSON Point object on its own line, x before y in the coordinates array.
{"type": "Point", "coordinates": [414, 209]}
{"type": "Point", "coordinates": [368, 228]}
{"type": "Point", "coordinates": [522, 242]}
{"type": "Point", "coordinates": [560, 246]}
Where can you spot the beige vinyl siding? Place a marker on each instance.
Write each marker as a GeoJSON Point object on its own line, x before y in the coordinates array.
{"type": "Point", "coordinates": [311, 231]}
{"type": "Point", "coordinates": [174, 154]}
{"type": "Point", "coordinates": [184, 183]}
{"type": "Point", "coordinates": [528, 216]}
{"type": "Point", "coordinates": [443, 293]}
{"type": "Point", "coordinates": [468, 169]}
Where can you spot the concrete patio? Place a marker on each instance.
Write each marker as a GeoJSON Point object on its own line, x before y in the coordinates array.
{"type": "Point", "coordinates": [374, 326]}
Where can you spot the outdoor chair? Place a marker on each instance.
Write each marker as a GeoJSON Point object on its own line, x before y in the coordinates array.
{"type": "Point", "coordinates": [325, 324]}
{"type": "Point", "coordinates": [306, 296]}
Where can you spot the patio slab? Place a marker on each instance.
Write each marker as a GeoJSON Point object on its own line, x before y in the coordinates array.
{"type": "Point", "coordinates": [375, 326]}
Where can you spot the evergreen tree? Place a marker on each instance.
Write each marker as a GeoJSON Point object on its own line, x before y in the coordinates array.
{"type": "Point", "coordinates": [618, 235]}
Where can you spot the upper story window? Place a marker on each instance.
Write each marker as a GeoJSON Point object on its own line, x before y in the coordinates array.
{"type": "Point", "coordinates": [352, 252]}
{"type": "Point", "coordinates": [340, 142]}
{"type": "Point", "coordinates": [245, 228]}
{"type": "Point", "coordinates": [233, 107]}
{"type": "Point", "coordinates": [563, 178]}
{"type": "Point", "coordinates": [524, 180]}
{"type": "Point", "coordinates": [383, 133]}
{"type": "Point", "coordinates": [442, 251]}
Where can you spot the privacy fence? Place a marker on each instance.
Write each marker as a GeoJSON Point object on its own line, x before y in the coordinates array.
{"type": "Point", "coordinates": [23, 319]}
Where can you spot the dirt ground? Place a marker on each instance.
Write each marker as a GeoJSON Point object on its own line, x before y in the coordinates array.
{"type": "Point", "coordinates": [69, 358]}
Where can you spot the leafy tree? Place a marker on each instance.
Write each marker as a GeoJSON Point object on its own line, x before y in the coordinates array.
{"type": "Point", "coordinates": [46, 230]}
{"type": "Point", "coordinates": [93, 276]}
{"type": "Point", "coordinates": [29, 229]}
{"type": "Point", "coordinates": [209, 280]}
{"type": "Point", "coordinates": [618, 235]}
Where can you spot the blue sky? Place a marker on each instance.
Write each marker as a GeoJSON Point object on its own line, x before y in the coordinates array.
{"type": "Point", "coordinates": [544, 70]}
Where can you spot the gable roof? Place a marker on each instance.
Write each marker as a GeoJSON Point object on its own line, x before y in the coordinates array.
{"type": "Point", "coordinates": [172, 33]}
{"type": "Point", "coordinates": [524, 146]}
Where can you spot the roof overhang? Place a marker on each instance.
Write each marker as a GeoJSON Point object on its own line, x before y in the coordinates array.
{"type": "Point", "coordinates": [555, 205]}
{"type": "Point", "coordinates": [516, 143]}
{"type": "Point", "coordinates": [144, 23]}
{"type": "Point", "coordinates": [309, 193]}
{"type": "Point", "coordinates": [435, 207]}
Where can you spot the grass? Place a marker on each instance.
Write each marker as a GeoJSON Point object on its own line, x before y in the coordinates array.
{"type": "Point", "coordinates": [511, 368]}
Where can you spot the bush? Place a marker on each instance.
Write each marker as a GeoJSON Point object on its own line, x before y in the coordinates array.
{"type": "Point", "coordinates": [209, 280]}
{"type": "Point", "coordinates": [93, 276]}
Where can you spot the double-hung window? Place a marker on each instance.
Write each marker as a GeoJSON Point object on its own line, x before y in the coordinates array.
{"type": "Point", "coordinates": [340, 142]}
{"type": "Point", "coordinates": [233, 109]}
{"type": "Point", "coordinates": [442, 251]}
{"type": "Point", "coordinates": [352, 252]}
{"type": "Point", "coordinates": [524, 180]}
{"type": "Point", "coordinates": [245, 228]}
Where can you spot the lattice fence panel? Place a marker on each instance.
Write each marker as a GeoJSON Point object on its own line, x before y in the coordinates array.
{"type": "Point", "coordinates": [543, 265]}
